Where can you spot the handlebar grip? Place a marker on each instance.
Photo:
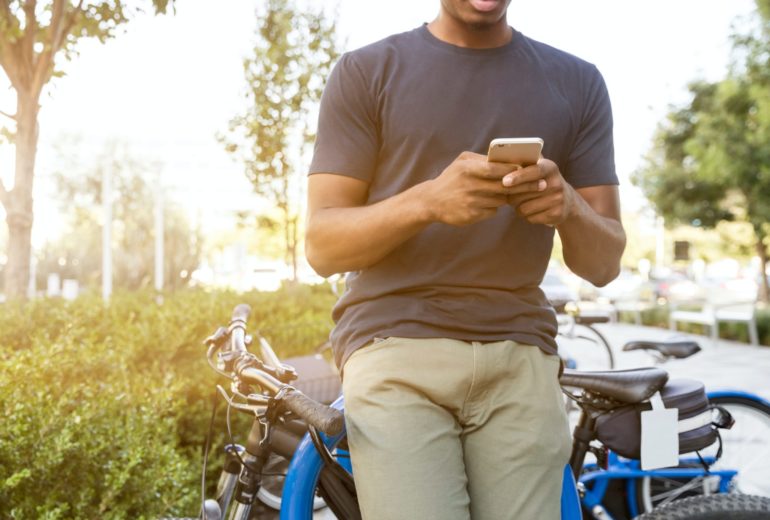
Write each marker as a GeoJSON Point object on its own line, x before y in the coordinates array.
{"type": "Point", "coordinates": [328, 420]}
{"type": "Point", "coordinates": [241, 312]}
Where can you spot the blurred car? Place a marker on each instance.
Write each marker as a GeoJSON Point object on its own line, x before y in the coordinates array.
{"type": "Point", "coordinates": [627, 286]}
{"type": "Point", "coordinates": [732, 289]}
{"type": "Point", "coordinates": [675, 286]}
{"type": "Point", "coordinates": [556, 289]}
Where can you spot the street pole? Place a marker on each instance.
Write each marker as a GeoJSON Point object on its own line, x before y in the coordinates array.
{"type": "Point", "coordinates": [158, 236]}
{"type": "Point", "coordinates": [107, 232]}
{"type": "Point", "coordinates": [660, 244]}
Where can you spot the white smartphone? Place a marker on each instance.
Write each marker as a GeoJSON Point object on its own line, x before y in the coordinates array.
{"type": "Point", "coordinates": [515, 150]}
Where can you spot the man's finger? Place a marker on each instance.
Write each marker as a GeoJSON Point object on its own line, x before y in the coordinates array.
{"type": "Point", "coordinates": [531, 188]}
{"type": "Point", "coordinates": [498, 171]}
{"type": "Point", "coordinates": [532, 206]}
{"type": "Point", "coordinates": [521, 196]}
{"type": "Point", "coordinates": [524, 175]}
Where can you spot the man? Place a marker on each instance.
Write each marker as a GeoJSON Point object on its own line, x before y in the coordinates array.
{"type": "Point", "coordinates": [446, 343]}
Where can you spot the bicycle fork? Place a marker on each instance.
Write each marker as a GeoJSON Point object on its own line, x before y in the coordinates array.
{"type": "Point", "coordinates": [228, 479]}
{"type": "Point", "coordinates": [240, 479]}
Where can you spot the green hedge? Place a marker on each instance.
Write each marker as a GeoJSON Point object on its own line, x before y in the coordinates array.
{"type": "Point", "coordinates": [105, 407]}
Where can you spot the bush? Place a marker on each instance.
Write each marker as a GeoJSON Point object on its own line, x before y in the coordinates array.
{"type": "Point", "coordinates": [105, 407]}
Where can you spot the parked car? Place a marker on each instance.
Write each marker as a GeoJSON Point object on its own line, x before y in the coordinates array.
{"type": "Point", "coordinates": [675, 286]}
{"type": "Point", "coordinates": [557, 290]}
{"type": "Point", "coordinates": [627, 286]}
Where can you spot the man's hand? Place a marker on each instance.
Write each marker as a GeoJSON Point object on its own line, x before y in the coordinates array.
{"type": "Point", "coordinates": [553, 201]}
{"type": "Point", "coordinates": [467, 191]}
{"type": "Point", "coordinates": [470, 189]}
{"type": "Point", "coordinates": [587, 219]}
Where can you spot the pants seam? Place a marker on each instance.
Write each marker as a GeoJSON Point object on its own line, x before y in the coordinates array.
{"type": "Point", "coordinates": [464, 417]}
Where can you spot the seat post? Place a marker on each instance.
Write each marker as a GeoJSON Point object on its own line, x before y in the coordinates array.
{"type": "Point", "coordinates": [582, 435]}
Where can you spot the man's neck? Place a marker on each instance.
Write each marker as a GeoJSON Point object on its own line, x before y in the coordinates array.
{"type": "Point", "coordinates": [453, 31]}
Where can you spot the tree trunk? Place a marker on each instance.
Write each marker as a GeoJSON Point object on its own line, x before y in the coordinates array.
{"type": "Point", "coordinates": [290, 240]}
{"type": "Point", "coordinates": [18, 209]}
{"type": "Point", "coordinates": [294, 244]}
{"type": "Point", "coordinates": [764, 290]}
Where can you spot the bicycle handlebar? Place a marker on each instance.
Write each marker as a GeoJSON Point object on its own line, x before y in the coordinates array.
{"type": "Point", "coordinates": [241, 313]}
{"type": "Point", "coordinates": [322, 417]}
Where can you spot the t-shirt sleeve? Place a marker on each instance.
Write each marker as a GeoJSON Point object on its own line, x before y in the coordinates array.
{"type": "Point", "coordinates": [347, 138]}
{"type": "Point", "coordinates": [591, 161]}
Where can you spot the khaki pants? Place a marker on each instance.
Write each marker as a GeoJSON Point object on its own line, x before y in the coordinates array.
{"type": "Point", "coordinates": [447, 429]}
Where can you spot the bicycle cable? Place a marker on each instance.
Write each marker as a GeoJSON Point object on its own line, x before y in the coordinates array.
{"type": "Point", "coordinates": [232, 439]}
{"type": "Point", "coordinates": [206, 448]}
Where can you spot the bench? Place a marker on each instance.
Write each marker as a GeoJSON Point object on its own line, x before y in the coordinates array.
{"type": "Point", "coordinates": [711, 314]}
{"type": "Point", "coordinates": [634, 307]}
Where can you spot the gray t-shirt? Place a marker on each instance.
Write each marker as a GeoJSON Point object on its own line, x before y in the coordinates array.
{"type": "Point", "coordinates": [395, 113]}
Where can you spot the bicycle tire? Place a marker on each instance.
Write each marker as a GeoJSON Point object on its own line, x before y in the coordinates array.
{"type": "Point", "coordinates": [745, 447]}
{"type": "Point", "coordinates": [577, 346]}
{"type": "Point", "coordinates": [713, 507]}
{"type": "Point", "coordinates": [272, 484]}
{"type": "Point", "coordinates": [604, 343]}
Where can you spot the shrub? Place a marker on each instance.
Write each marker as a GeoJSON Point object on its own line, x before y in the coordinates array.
{"type": "Point", "coordinates": [105, 407]}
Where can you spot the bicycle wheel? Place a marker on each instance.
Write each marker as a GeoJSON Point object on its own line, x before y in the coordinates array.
{"type": "Point", "coordinates": [272, 484]}
{"type": "Point", "coordinates": [746, 444]}
{"type": "Point", "coordinates": [587, 346]}
{"type": "Point", "coordinates": [746, 448]}
{"type": "Point", "coordinates": [713, 507]}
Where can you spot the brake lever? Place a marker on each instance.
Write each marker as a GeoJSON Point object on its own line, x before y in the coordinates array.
{"type": "Point", "coordinates": [272, 413]}
{"type": "Point", "coordinates": [286, 376]}
{"type": "Point", "coordinates": [219, 336]}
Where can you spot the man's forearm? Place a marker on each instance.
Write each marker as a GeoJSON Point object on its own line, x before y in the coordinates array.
{"type": "Point", "coordinates": [592, 244]}
{"type": "Point", "coordinates": [345, 234]}
{"type": "Point", "coordinates": [342, 239]}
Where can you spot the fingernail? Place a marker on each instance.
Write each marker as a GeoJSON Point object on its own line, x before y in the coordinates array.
{"type": "Point", "coordinates": [508, 181]}
{"type": "Point", "coordinates": [541, 185]}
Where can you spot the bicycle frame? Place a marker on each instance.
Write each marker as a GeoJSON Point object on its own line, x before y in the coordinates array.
{"type": "Point", "coordinates": [302, 476]}
{"type": "Point", "coordinates": [305, 467]}
{"type": "Point", "coordinates": [630, 471]}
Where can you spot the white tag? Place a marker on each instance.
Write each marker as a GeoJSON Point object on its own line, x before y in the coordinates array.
{"type": "Point", "coordinates": [660, 435]}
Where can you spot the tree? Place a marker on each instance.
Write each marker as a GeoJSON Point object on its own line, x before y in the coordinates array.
{"type": "Point", "coordinates": [710, 161]}
{"type": "Point", "coordinates": [77, 253]}
{"type": "Point", "coordinates": [292, 57]}
{"type": "Point", "coordinates": [34, 37]}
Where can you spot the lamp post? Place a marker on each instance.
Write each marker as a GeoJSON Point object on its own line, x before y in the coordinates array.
{"type": "Point", "coordinates": [107, 232]}
{"type": "Point", "coordinates": [158, 235]}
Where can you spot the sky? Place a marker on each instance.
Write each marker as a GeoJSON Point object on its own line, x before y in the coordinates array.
{"type": "Point", "coordinates": [169, 84]}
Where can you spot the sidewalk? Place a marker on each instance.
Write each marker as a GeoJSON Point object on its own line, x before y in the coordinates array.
{"type": "Point", "coordinates": [726, 365]}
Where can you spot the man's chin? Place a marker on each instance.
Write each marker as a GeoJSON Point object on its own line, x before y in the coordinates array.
{"type": "Point", "coordinates": [484, 14]}
{"type": "Point", "coordinates": [486, 6]}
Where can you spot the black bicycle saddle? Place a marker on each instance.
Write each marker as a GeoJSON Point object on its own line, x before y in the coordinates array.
{"type": "Point", "coordinates": [675, 349]}
{"type": "Point", "coordinates": [627, 386]}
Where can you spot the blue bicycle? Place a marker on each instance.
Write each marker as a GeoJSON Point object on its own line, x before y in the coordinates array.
{"type": "Point", "coordinates": [320, 463]}
{"type": "Point", "coordinates": [617, 488]}
{"type": "Point", "coordinates": [314, 456]}
{"type": "Point", "coordinates": [745, 447]}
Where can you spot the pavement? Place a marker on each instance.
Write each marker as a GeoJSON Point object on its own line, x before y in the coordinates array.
{"type": "Point", "coordinates": [720, 365]}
